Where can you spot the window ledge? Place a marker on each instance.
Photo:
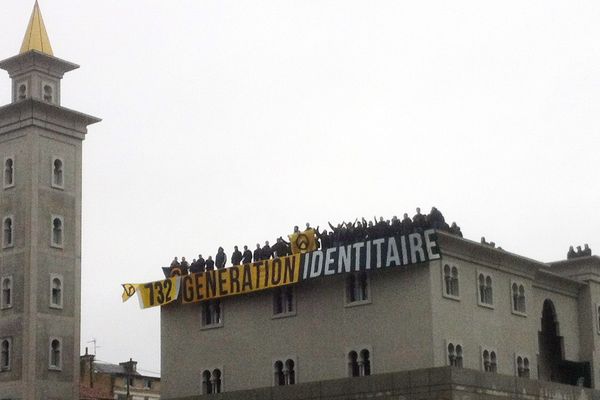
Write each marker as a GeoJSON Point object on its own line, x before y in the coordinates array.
{"type": "Point", "coordinates": [519, 313]}
{"type": "Point", "coordinates": [486, 305]}
{"type": "Point", "coordinates": [284, 315]}
{"type": "Point", "coordinates": [52, 368]}
{"type": "Point", "coordinates": [358, 303]}
{"type": "Point", "coordinates": [8, 246]}
{"type": "Point", "coordinates": [6, 307]}
{"type": "Point", "coordinates": [58, 187]}
{"type": "Point", "coordinates": [56, 246]}
{"type": "Point", "coordinates": [451, 297]}
{"type": "Point", "coordinates": [4, 369]}
{"type": "Point", "coordinates": [211, 326]}
{"type": "Point", "coordinates": [9, 186]}
{"type": "Point", "coordinates": [56, 306]}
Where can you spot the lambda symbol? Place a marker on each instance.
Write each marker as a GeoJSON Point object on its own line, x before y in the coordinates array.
{"type": "Point", "coordinates": [302, 242]}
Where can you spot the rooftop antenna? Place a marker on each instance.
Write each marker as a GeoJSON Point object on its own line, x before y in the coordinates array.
{"type": "Point", "coordinates": [94, 341]}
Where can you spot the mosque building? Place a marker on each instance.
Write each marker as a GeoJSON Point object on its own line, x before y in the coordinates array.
{"type": "Point", "coordinates": [40, 212]}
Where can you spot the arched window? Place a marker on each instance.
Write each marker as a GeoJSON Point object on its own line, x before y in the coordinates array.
{"type": "Point", "coordinates": [6, 286]}
{"type": "Point", "coordinates": [455, 289]}
{"type": "Point", "coordinates": [290, 372]}
{"type": "Point", "coordinates": [357, 287]}
{"type": "Point", "coordinates": [279, 379]}
{"type": "Point", "coordinates": [206, 382]}
{"type": "Point", "coordinates": [56, 292]}
{"type": "Point", "coordinates": [486, 297]}
{"type": "Point", "coordinates": [486, 361]}
{"type": "Point", "coordinates": [9, 173]}
{"type": "Point", "coordinates": [451, 288]}
{"type": "Point", "coordinates": [489, 295]}
{"type": "Point", "coordinates": [447, 280]}
{"type": "Point", "coordinates": [481, 288]}
{"type": "Point", "coordinates": [353, 364]}
{"type": "Point", "coordinates": [216, 381]}
{"type": "Point", "coordinates": [57, 231]}
{"type": "Point", "coordinates": [459, 356]}
{"type": "Point", "coordinates": [57, 173]}
{"type": "Point", "coordinates": [55, 354]}
{"type": "Point", "coordinates": [364, 363]}
{"type": "Point", "coordinates": [455, 355]}
{"type": "Point", "coordinates": [5, 354]}
{"type": "Point", "coordinates": [22, 95]}
{"type": "Point", "coordinates": [7, 237]}
{"type": "Point", "coordinates": [48, 94]}
{"type": "Point", "coordinates": [493, 364]}
{"type": "Point", "coordinates": [522, 307]}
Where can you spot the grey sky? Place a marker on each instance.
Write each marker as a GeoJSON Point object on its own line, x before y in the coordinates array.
{"type": "Point", "coordinates": [229, 122]}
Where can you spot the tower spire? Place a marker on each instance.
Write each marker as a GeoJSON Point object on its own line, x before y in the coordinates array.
{"type": "Point", "coordinates": [36, 37]}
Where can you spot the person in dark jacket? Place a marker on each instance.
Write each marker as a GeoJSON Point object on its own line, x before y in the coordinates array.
{"type": "Point", "coordinates": [210, 264]}
{"type": "Point", "coordinates": [257, 253]}
{"type": "Point", "coordinates": [247, 256]}
{"type": "Point", "coordinates": [266, 252]}
{"type": "Point", "coordinates": [185, 266]}
{"type": "Point", "coordinates": [419, 221]}
{"type": "Point", "coordinates": [220, 259]}
{"type": "Point", "coordinates": [236, 256]}
{"type": "Point", "coordinates": [201, 263]}
{"type": "Point", "coordinates": [571, 253]}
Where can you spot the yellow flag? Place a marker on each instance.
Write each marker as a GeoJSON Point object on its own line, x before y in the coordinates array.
{"type": "Point", "coordinates": [303, 242]}
{"type": "Point", "coordinates": [128, 291]}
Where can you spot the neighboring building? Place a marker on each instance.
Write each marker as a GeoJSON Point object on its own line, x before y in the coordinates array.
{"type": "Point", "coordinates": [40, 213]}
{"type": "Point", "coordinates": [477, 307]}
{"type": "Point", "coordinates": [116, 380]}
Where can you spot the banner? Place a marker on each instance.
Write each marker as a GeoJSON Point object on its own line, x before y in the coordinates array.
{"type": "Point", "coordinates": [303, 242]}
{"type": "Point", "coordinates": [241, 279]}
{"type": "Point", "coordinates": [157, 293]}
{"type": "Point", "coordinates": [375, 254]}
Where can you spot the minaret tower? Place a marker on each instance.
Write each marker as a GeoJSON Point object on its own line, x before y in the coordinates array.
{"type": "Point", "coordinates": [40, 217]}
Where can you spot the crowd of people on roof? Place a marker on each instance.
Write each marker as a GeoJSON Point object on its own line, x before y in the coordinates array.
{"type": "Point", "coordinates": [585, 252]}
{"type": "Point", "coordinates": [342, 234]}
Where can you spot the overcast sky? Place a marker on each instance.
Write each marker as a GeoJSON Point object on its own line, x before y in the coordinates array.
{"type": "Point", "coordinates": [229, 122]}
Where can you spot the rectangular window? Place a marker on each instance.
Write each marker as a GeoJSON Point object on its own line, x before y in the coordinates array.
{"type": "Point", "coordinates": [212, 314]}
{"type": "Point", "coordinates": [147, 384]}
{"type": "Point", "coordinates": [358, 289]}
{"type": "Point", "coordinates": [284, 301]}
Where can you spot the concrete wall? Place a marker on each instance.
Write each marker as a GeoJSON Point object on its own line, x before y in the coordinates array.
{"type": "Point", "coordinates": [395, 326]}
{"type": "Point", "coordinates": [428, 384]}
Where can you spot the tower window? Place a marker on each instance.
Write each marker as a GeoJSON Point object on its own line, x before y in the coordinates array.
{"type": "Point", "coordinates": [212, 381]}
{"type": "Point", "coordinates": [357, 288]}
{"type": "Point", "coordinates": [55, 357]}
{"type": "Point", "coordinates": [522, 366]}
{"type": "Point", "coordinates": [486, 295]}
{"type": "Point", "coordinates": [359, 363]}
{"type": "Point", "coordinates": [48, 93]}
{"type": "Point", "coordinates": [22, 91]}
{"type": "Point", "coordinates": [5, 354]}
{"type": "Point", "coordinates": [57, 173]}
{"type": "Point", "coordinates": [6, 285]}
{"type": "Point", "coordinates": [8, 232]}
{"type": "Point", "coordinates": [57, 231]}
{"type": "Point", "coordinates": [212, 314]}
{"type": "Point", "coordinates": [56, 292]}
{"type": "Point", "coordinates": [283, 301]}
{"type": "Point", "coordinates": [518, 298]}
{"type": "Point", "coordinates": [455, 355]}
{"type": "Point", "coordinates": [285, 372]}
{"type": "Point", "coordinates": [9, 173]}
{"type": "Point", "coordinates": [451, 288]}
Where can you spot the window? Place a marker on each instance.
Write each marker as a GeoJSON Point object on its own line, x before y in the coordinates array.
{"type": "Point", "coordinates": [212, 381]}
{"type": "Point", "coordinates": [285, 372]}
{"type": "Point", "coordinates": [455, 355]}
{"type": "Point", "coordinates": [518, 298]}
{"type": "Point", "coordinates": [9, 173]}
{"type": "Point", "coordinates": [283, 301]}
{"type": "Point", "coordinates": [359, 363]}
{"type": "Point", "coordinates": [212, 313]}
{"type": "Point", "coordinates": [8, 232]}
{"type": "Point", "coordinates": [57, 231]}
{"type": "Point", "coordinates": [357, 288]}
{"type": "Point", "coordinates": [485, 295]}
{"type": "Point", "coordinates": [147, 383]}
{"type": "Point", "coordinates": [6, 285]}
{"type": "Point", "coordinates": [451, 289]}
{"type": "Point", "coordinates": [57, 173]}
{"type": "Point", "coordinates": [522, 366]}
{"type": "Point", "coordinates": [489, 360]}
{"type": "Point", "coordinates": [56, 291]}
{"type": "Point", "coordinates": [22, 91]}
{"type": "Point", "coordinates": [55, 358]}
{"type": "Point", "coordinates": [48, 93]}
{"type": "Point", "coordinates": [598, 318]}
{"type": "Point", "coordinates": [5, 354]}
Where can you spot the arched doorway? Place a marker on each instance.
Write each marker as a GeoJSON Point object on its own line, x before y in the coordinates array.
{"type": "Point", "coordinates": [552, 365]}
